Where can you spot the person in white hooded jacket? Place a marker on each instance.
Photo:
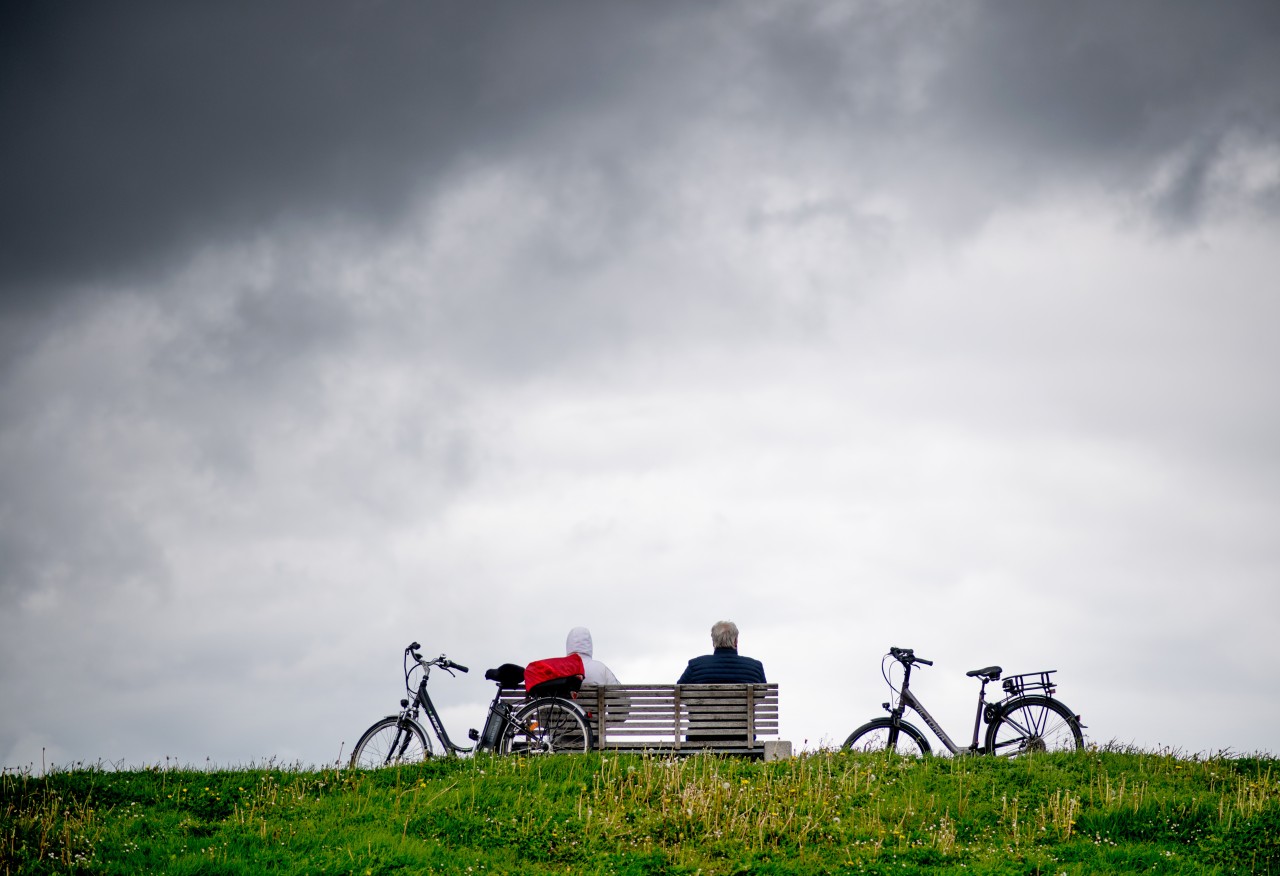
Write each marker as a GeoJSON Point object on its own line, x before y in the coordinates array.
{"type": "Point", "coordinates": [579, 642]}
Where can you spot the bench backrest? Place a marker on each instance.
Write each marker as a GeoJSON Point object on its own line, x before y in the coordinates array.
{"type": "Point", "coordinates": [724, 718]}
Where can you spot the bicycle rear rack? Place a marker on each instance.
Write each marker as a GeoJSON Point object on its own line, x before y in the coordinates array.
{"type": "Point", "coordinates": [1016, 685]}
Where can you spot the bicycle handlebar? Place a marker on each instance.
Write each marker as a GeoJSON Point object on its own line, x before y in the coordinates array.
{"type": "Point", "coordinates": [441, 661]}
{"type": "Point", "coordinates": [907, 656]}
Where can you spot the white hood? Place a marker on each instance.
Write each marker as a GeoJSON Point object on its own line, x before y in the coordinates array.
{"type": "Point", "coordinates": [578, 642]}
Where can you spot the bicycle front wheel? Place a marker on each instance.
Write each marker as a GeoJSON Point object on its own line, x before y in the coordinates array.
{"type": "Point", "coordinates": [391, 742]}
{"type": "Point", "coordinates": [1033, 724]}
{"type": "Point", "coordinates": [547, 726]}
{"type": "Point", "coordinates": [879, 734]}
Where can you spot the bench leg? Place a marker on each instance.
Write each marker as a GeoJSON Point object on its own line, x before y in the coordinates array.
{"type": "Point", "coordinates": [777, 749]}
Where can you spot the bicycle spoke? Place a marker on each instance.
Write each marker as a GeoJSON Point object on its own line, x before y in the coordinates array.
{"type": "Point", "coordinates": [389, 742]}
{"type": "Point", "coordinates": [1018, 726]}
{"type": "Point", "coordinates": [548, 726]}
{"type": "Point", "coordinates": [877, 735]}
{"type": "Point", "coordinates": [1034, 724]}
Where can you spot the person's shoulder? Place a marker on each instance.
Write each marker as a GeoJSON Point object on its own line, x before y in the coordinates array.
{"type": "Point", "coordinates": [758, 668]}
{"type": "Point", "coordinates": [698, 666]}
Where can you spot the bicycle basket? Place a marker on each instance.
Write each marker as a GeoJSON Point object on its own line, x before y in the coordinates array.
{"type": "Point", "coordinates": [1016, 685]}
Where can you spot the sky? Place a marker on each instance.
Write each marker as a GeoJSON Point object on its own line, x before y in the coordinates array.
{"type": "Point", "coordinates": [329, 327]}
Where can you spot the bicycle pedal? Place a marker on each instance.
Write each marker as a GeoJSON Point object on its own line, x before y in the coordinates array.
{"type": "Point", "coordinates": [473, 734]}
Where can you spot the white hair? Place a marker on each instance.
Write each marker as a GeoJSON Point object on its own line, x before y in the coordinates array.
{"type": "Point", "coordinates": [724, 634]}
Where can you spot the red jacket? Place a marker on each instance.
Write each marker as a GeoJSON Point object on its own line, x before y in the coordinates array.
{"type": "Point", "coordinates": [552, 668]}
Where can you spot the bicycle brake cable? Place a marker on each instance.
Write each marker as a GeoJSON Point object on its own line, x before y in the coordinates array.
{"type": "Point", "coordinates": [884, 672]}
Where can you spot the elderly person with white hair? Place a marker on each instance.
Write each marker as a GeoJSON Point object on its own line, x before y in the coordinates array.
{"type": "Point", "coordinates": [725, 665]}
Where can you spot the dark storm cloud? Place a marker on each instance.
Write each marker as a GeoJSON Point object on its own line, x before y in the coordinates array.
{"type": "Point", "coordinates": [1110, 92]}
{"type": "Point", "coordinates": [136, 133]}
{"type": "Point", "coordinates": [139, 131]}
{"type": "Point", "coordinates": [992, 103]}
{"type": "Point", "coordinates": [1068, 78]}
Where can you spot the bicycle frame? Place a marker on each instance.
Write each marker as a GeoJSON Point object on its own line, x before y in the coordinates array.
{"type": "Point", "coordinates": [497, 719]}
{"type": "Point", "coordinates": [908, 700]}
{"type": "Point", "coordinates": [423, 701]}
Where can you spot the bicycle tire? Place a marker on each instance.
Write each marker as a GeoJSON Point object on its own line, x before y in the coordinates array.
{"type": "Point", "coordinates": [1033, 724]}
{"type": "Point", "coordinates": [547, 726]}
{"type": "Point", "coordinates": [877, 735]}
{"type": "Point", "coordinates": [391, 742]}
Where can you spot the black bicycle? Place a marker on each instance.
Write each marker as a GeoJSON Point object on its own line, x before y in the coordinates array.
{"type": "Point", "coordinates": [1027, 720]}
{"type": "Point", "coordinates": [549, 722]}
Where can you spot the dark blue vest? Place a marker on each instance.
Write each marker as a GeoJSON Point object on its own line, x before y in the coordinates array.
{"type": "Point", "coordinates": [725, 666]}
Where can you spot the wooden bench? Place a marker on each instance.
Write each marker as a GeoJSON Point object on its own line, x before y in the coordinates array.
{"type": "Point", "coordinates": [739, 719]}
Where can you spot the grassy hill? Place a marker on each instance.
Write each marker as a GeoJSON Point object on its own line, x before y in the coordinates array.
{"type": "Point", "coordinates": [1090, 812]}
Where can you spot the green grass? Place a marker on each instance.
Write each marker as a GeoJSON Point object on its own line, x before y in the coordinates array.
{"type": "Point", "coordinates": [1090, 812]}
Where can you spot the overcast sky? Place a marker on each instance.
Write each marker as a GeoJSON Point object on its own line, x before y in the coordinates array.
{"type": "Point", "coordinates": [327, 327]}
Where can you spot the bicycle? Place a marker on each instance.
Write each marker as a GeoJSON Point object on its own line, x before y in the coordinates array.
{"type": "Point", "coordinates": [1027, 720]}
{"type": "Point", "coordinates": [544, 724]}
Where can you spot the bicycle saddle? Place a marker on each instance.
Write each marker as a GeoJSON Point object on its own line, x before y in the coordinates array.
{"type": "Point", "coordinates": [989, 673]}
{"type": "Point", "coordinates": [507, 675]}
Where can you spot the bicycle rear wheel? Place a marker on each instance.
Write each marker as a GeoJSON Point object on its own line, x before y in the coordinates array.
{"type": "Point", "coordinates": [547, 726]}
{"type": "Point", "coordinates": [391, 742]}
{"type": "Point", "coordinates": [879, 734]}
{"type": "Point", "coordinates": [1033, 724]}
